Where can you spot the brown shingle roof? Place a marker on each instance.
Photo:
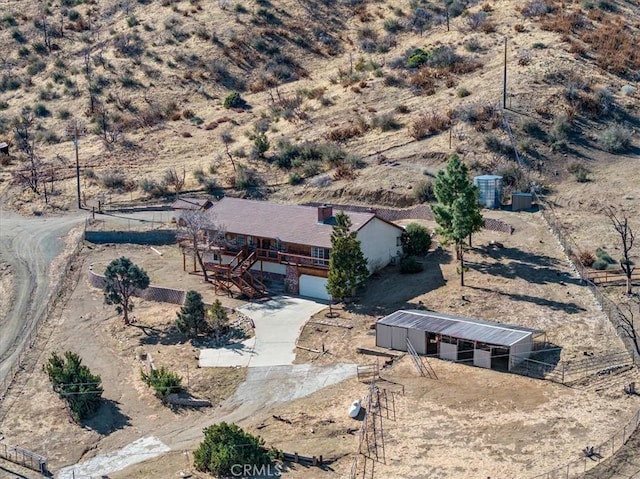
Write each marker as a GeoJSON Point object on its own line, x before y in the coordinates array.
{"type": "Point", "coordinates": [288, 223]}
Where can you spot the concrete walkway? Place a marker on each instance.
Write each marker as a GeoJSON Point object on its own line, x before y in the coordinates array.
{"type": "Point", "coordinates": [278, 322]}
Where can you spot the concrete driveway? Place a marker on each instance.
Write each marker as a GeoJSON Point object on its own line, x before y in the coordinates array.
{"type": "Point", "coordinates": [278, 322]}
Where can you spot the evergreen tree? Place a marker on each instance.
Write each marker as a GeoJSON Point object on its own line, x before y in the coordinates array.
{"type": "Point", "coordinates": [347, 264]}
{"type": "Point", "coordinates": [225, 446]}
{"type": "Point", "coordinates": [191, 319]}
{"type": "Point", "coordinates": [121, 279]}
{"type": "Point", "coordinates": [218, 319]}
{"type": "Point", "coordinates": [457, 211]}
{"type": "Point", "coordinates": [74, 382]}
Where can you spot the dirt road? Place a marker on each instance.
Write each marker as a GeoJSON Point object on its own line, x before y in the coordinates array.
{"type": "Point", "coordinates": [30, 246]}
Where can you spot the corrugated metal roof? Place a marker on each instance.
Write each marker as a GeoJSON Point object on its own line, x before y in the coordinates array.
{"type": "Point", "coordinates": [191, 203]}
{"type": "Point", "coordinates": [288, 223]}
{"type": "Point", "coordinates": [458, 327]}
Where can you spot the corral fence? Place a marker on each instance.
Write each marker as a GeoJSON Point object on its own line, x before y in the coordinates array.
{"type": "Point", "coordinates": [25, 458]}
{"type": "Point", "coordinates": [19, 361]}
{"type": "Point", "coordinates": [572, 251]}
{"type": "Point", "coordinates": [593, 455]}
{"type": "Point", "coordinates": [568, 372]}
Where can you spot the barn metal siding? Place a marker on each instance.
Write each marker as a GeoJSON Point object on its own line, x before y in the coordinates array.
{"type": "Point", "coordinates": [519, 351]}
{"type": "Point", "coordinates": [399, 339]}
{"type": "Point", "coordinates": [383, 336]}
{"type": "Point", "coordinates": [418, 340]}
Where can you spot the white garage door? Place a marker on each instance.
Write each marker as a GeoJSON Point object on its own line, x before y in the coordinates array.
{"type": "Point", "coordinates": [313, 287]}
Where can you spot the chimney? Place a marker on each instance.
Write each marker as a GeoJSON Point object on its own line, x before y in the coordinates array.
{"type": "Point", "coordinates": [324, 213]}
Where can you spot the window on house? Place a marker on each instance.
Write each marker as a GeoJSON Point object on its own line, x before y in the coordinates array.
{"type": "Point", "coordinates": [241, 240]}
{"type": "Point", "coordinates": [321, 255]}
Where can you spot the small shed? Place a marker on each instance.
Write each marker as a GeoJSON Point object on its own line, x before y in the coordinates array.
{"type": "Point", "coordinates": [4, 148]}
{"type": "Point", "coordinates": [485, 344]}
{"type": "Point", "coordinates": [192, 204]}
{"type": "Point", "coordinates": [521, 201]}
{"type": "Point", "coordinates": [490, 190]}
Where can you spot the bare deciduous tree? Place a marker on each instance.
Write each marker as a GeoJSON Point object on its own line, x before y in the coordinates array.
{"type": "Point", "coordinates": [23, 126]}
{"type": "Point", "coordinates": [628, 323]}
{"type": "Point", "coordinates": [627, 238]}
{"type": "Point", "coordinates": [175, 179]}
{"type": "Point", "coordinates": [193, 223]}
{"type": "Point", "coordinates": [227, 139]}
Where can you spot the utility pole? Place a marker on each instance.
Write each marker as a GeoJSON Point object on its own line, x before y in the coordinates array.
{"type": "Point", "coordinates": [74, 129]}
{"type": "Point", "coordinates": [504, 78]}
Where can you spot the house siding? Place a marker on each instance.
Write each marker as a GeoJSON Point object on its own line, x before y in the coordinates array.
{"type": "Point", "coordinates": [379, 242]}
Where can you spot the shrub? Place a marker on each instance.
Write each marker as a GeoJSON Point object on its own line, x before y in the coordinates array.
{"type": "Point", "coordinates": [586, 258]}
{"type": "Point", "coordinates": [472, 44]}
{"type": "Point", "coordinates": [74, 383]}
{"type": "Point", "coordinates": [73, 15]}
{"type": "Point", "coordinates": [463, 92]}
{"type": "Point", "coordinates": [114, 180]}
{"type": "Point", "coordinates": [532, 128]}
{"type": "Point", "coordinates": [476, 21]}
{"type": "Point", "coordinates": [428, 124]}
{"type": "Point", "coordinates": [561, 128]}
{"type": "Point", "coordinates": [410, 265]}
{"type": "Point", "coordinates": [295, 179]}
{"type": "Point", "coordinates": [233, 100]}
{"type": "Point", "coordinates": [579, 171]}
{"type": "Point", "coordinates": [41, 110]}
{"type": "Point", "coordinates": [423, 191]}
{"type": "Point", "coordinates": [385, 121]}
{"type": "Point", "coordinates": [218, 452]}
{"type": "Point", "coordinates": [245, 178]}
{"type": "Point", "coordinates": [604, 256]}
{"type": "Point", "coordinates": [615, 139]}
{"type": "Point", "coordinates": [163, 381]}
{"type": "Point", "coordinates": [535, 8]}
{"type": "Point", "coordinates": [416, 240]}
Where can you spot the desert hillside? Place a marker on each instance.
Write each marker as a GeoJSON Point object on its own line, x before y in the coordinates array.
{"type": "Point", "coordinates": [350, 101]}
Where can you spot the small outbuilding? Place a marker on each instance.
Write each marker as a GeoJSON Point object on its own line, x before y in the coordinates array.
{"type": "Point", "coordinates": [485, 344]}
{"type": "Point", "coordinates": [521, 201]}
{"type": "Point", "coordinates": [490, 190]}
{"type": "Point", "coordinates": [4, 148]}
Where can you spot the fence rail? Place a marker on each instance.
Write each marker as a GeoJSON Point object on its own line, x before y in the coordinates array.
{"type": "Point", "coordinates": [23, 457]}
{"type": "Point", "coordinates": [591, 454]}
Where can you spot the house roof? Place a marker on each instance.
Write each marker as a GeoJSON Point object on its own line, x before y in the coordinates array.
{"type": "Point", "coordinates": [191, 204]}
{"type": "Point", "coordinates": [458, 327]}
{"type": "Point", "coordinates": [288, 223]}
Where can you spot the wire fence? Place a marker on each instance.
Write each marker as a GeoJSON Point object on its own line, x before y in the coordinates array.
{"type": "Point", "coordinates": [591, 455]}
{"type": "Point", "coordinates": [30, 335]}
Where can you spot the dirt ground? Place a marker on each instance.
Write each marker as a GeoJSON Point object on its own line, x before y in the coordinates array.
{"type": "Point", "coordinates": [497, 424]}
{"type": "Point", "coordinates": [36, 419]}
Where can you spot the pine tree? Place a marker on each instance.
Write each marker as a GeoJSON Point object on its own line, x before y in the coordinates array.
{"type": "Point", "coordinates": [121, 279]}
{"type": "Point", "coordinates": [347, 264]}
{"type": "Point", "coordinates": [191, 319]}
{"type": "Point", "coordinates": [218, 320]}
{"type": "Point", "coordinates": [456, 212]}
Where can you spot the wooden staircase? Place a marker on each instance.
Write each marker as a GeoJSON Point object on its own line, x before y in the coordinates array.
{"type": "Point", "coordinates": [238, 273]}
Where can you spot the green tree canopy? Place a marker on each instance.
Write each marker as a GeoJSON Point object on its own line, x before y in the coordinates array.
{"type": "Point", "coordinates": [416, 240]}
{"type": "Point", "coordinates": [218, 320]}
{"type": "Point", "coordinates": [226, 445]}
{"type": "Point", "coordinates": [347, 264]}
{"type": "Point", "coordinates": [121, 279]}
{"type": "Point", "coordinates": [74, 383]}
{"type": "Point", "coordinates": [191, 319]}
{"type": "Point", "coordinates": [456, 211]}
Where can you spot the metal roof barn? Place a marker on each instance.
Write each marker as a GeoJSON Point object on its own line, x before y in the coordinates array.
{"type": "Point", "coordinates": [484, 343]}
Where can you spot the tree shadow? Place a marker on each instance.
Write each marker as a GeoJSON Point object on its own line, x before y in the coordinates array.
{"type": "Point", "coordinates": [570, 308]}
{"type": "Point", "coordinates": [538, 269]}
{"type": "Point", "coordinates": [108, 419]}
{"type": "Point", "coordinates": [373, 302]}
{"type": "Point", "coordinates": [151, 335]}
